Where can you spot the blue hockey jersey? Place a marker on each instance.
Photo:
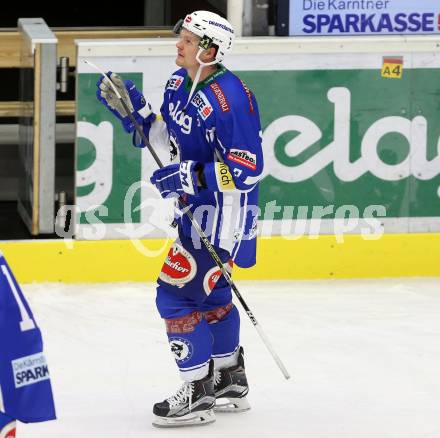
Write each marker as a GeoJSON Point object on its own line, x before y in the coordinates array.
{"type": "Point", "coordinates": [219, 128]}
{"type": "Point", "coordinates": [25, 388]}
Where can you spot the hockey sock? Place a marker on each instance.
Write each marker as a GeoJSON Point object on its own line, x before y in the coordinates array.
{"type": "Point", "coordinates": [224, 323]}
{"type": "Point", "coordinates": [191, 344]}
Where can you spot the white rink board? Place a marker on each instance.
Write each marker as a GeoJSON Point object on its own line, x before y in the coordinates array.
{"type": "Point", "coordinates": [364, 358]}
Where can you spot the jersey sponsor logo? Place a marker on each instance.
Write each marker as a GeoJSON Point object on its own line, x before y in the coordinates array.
{"type": "Point", "coordinates": [213, 276]}
{"type": "Point", "coordinates": [183, 120]}
{"type": "Point", "coordinates": [249, 95]}
{"type": "Point", "coordinates": [220, 96]}
{"type": "Point", "coordinates": [204, 107]}
{"type": "Point", "coordinates": [224, 177]}
{"type": "Point", "coordinates": [9, 430]}
{"type": "Point", "coordinates": [174, 82]}
{"type": "Point", "coordinates": [223, 26]}
{"type": "Point", "coordinates": [179, 267]}
{"type": "Point", "coordinates": [182, 349]}
{"type": "Point", "coordinates": [245, 158]}
{"type": "Point", "coordinates": [29, 370]}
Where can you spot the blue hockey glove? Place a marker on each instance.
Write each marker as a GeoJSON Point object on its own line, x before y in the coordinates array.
{"type": "Point", "coordinates": [135, 101]}
{"type": "Point", "coordinates": [176, 179]}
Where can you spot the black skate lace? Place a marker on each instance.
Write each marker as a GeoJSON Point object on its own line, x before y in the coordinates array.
{"type": "Point", "coordinates": [185, 392]}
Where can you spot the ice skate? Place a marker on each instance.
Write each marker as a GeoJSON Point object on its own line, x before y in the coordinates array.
{"type": "Point", "coordinates": [192, 405]}
{"type": "Point", "coordinates": [231, 388]}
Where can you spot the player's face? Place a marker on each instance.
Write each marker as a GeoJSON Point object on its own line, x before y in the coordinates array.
{"type": "Point", "coordinates": [187, 48]}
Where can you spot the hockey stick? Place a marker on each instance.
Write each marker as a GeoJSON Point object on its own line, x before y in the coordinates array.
{"type": "Point", "coordinates": [202, 235]}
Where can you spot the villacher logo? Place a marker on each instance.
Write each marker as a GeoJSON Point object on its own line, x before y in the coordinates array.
{"type": "Point", "coordinates": [179, 267]}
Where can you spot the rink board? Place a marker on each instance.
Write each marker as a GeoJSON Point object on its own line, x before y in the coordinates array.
{"type": "Point", "coordinates": [392, 160]}
{"type": "Point", "coordinates": [340, 138]}
{"type": "Point", "coordinates": [393, 255]}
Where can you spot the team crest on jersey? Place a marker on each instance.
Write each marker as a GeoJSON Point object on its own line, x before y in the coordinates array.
{"type": "Point", "coordinates": [213, 276]}
{"type": "Point", "coordinates": [220, 96]}
{"type": "Point", "coordinates": [179, 267]}
{"type": "Point", "coordinates": [29, 370]}
{"type": "Point", "coordinates": [245, 158]}
{"type": "Point", "coordinates": [174, 82]}
{"type": "Point", "coordinates": [201, 102]}
{"type": "Point", "coordinates": [182, 349]}
{"type": "Point", "coordinates": [174, 147]}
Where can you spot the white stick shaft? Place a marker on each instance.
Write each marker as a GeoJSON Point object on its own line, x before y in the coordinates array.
{"type": "Point", "coordinates": [105, 75]}
{"type": "Point", "coordinates": [272, 351]}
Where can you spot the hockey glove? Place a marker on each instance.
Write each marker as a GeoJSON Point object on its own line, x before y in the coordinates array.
{"type": "Point", "coordinates": [176, 179]}
{"type": "Point", "coordinates": [135, 101]}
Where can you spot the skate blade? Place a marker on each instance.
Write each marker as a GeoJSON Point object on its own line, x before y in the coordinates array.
{"type": "Point", "coordinates": [199, 418]}
{"type": "Point", "coordinates": [232, 405]}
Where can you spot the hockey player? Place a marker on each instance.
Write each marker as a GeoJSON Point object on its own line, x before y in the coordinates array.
{"type": "Point", "coordinates": [210, 121]}
{"type": "Point", "coordinates": [25, 389]}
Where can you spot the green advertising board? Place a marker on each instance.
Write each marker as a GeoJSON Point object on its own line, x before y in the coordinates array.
{"type": "Point", "coordinates": [337, 136]}
{"type": "Point", "coordinates": [104, 147]}
{"type": "Point", "coordinates": [351, 137]}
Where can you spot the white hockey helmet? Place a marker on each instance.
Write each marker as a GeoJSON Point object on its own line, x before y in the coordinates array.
{"type": "Point", "coordinates": [213, 30]}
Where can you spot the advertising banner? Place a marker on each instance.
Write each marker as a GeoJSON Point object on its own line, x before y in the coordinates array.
{"type": "Point", "coordinates": [360, 17]}
{"type": "Point", "coordinates": [336, 138]}
{"type": "Point", "coordinates": [348, 140]}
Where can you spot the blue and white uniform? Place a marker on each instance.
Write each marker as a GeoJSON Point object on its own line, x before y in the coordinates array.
{"type": "Point", "coordinates": [25, 388]}
{"type": "Point", "coordinates": [219, 130]}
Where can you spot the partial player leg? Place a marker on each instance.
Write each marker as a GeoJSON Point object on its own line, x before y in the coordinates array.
{"type": "Point", "coordinates": [231, 387]}
{"type": "Point", "coordinates": [30, 399]}
{"type": "Point", "coordinates": [184, 287]}
{"type": "Point", "coordinates": [191, 405]}
{"type": "Point", "coordinates": [191, 344]}
{"type": "Point", "coordinates": [230, 382]}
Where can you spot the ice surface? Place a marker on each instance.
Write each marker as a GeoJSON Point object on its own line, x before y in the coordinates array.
{"type": "Point", "coordinates": [364, 358]}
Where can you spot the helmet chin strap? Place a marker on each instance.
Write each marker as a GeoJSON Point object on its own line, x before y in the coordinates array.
{"type": "Point", "coordinates": [199, 72]}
